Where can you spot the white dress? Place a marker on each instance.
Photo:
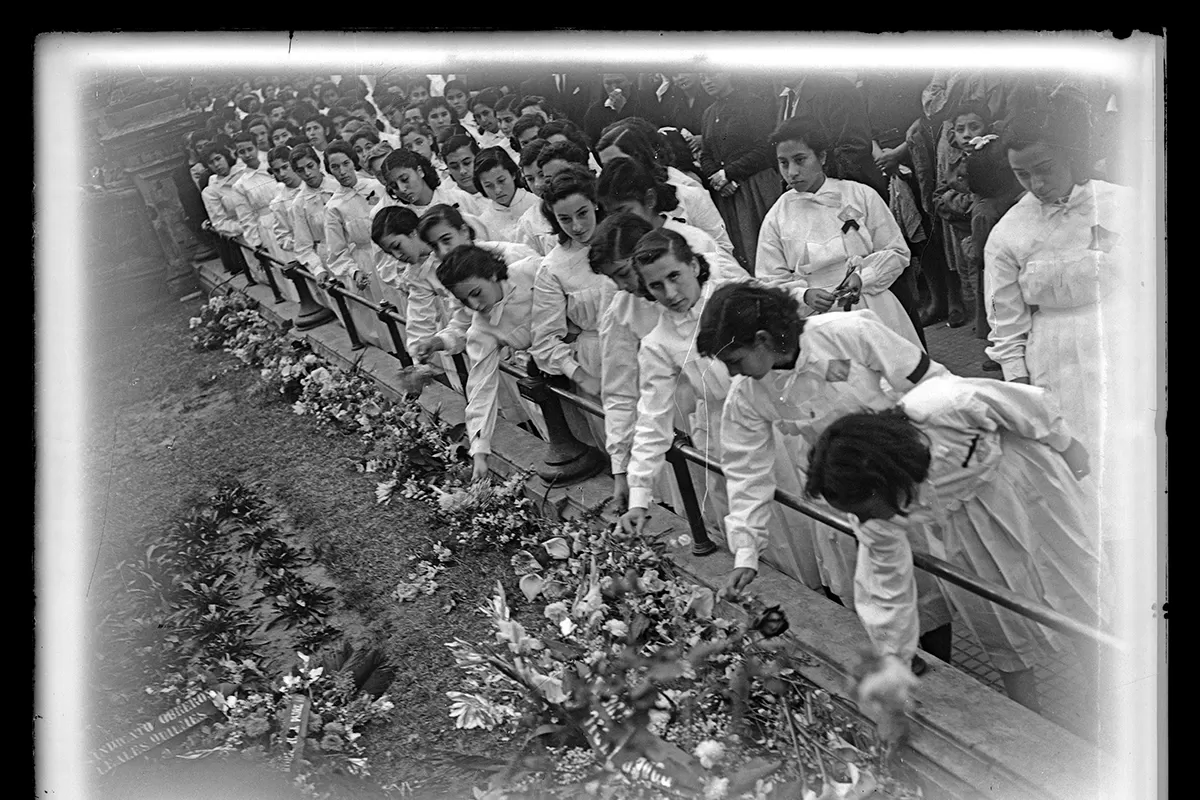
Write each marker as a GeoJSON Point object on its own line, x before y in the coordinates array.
{"type": "Point", "coordinates": [1048, 270]}
{"type": "Point", "coordinates": [696, 208]}
{"type": "Point", "coordinates": [220, 203]}
{"type": "Point", "coordinates": [1008, 510]}
{"type": "Point", "coordinates": [534, 229]}
{"type": "Point", "coordinates": [503, 331]}
{"type": "Point", "coordinates": [502, 222]}
{"type": "Point", "coordinates": [253, 193]}
{"type": "Point", "coordinates": [307, 215]}
{"type": "Point", "coordinates": [568, 302]}
{"type": "Point", "coordinates": [847, 362]}
{"type": "Point", "coordinates": [352, 253]}
{"type": "Point", "coordinates": [808, 240]}
{"type": "Point", "coordinates": [283, 236]}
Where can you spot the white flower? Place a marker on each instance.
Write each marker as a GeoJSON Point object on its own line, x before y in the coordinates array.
{"type": "Point", "coordinates": [194, 322]}
{"type": "Point", "coordinates": [617, 628]}
{"type": "Point", "coordinates": [310, 359]}
{"type": "Point", "coordinates": [684, 541]}
{"type": "Point", "coordinates": [710, 752]}
{"type": "Point", "coordinates": [716, 789]}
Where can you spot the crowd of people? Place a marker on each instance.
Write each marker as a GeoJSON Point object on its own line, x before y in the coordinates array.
{"type": "Point", "coordinates": [753, 263]}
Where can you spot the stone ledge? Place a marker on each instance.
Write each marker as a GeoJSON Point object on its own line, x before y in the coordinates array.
{"type": "Point", "coordinates": [968, 741]}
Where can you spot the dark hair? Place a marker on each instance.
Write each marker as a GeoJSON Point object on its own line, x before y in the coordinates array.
{"type": "Point", "coordinates": [566, 151]}
{"type": "Point", "coordinates": [305, 150]}
{"type": "Point", "coordinates": [287, 126]}
{"type": "Point", "coordinates": [469, 261]}
{"type": "Point", "coordinates": [341, 147]}
{"type": "Point", "coordinates": [245, 101]}
{"type": "Point", "coordinates": [663, 242]}
{"type": "Point", "coordinates": [736, 312]}
{"type": "Point", "coordinates": [507, 103]}
{"type": "Point", "coordinates": [457, 142]}
{"type": "Point", "coordinates": [238, 138]}
{"type": "Point", "coordinates": [366, 131]}
{"type": "Point", "coordinates": [566, 128]}
{"type": "Point", "coordinates": [575, 179]}
{"type": "Point", "coordinates": [338, 109]}
{"type": "Point", "coordinates": [540, 102]}
{"type": "Point", "coordinates": [487, 98]}
{"type": "Point", "coordinates": [988, 172]}
{"type": "Point", "coordinates": [352, 86]}
{"type": "Point", "coordinates": [456, 84]}
{"type": "Point", "coordinates": [270, 106]}
{"type": "Point", "coordinates": [488, 159]}
{"type": "Point", "coordinates": [209, 150]}
{"type": "Point", "coordinates": [803, 128]}
{"type": "Point", "coordinates": [615, 239]}
{"type": "Point", "coordinates": [441, 214]}
{"type": "Point", "coordinates": [283, 152]}
{"type": "Point", "coordinates": [679, 150]}
{"type": "Point", "coordinates": [453, 129]}
{"type": "Point", "coordinates": [634, 144]}
{"type": "Point", "coordinates": [320, 88]}
{"type": "Point", "coordinates": [531, 151]}
{"type": "Point", "coordinates": [392, 221]}
{"type": "Point", "coordinates": [326, 125]}
{"type": "Point", "coordinates": [407, 159]}
{"type": "Point", "coordinates": [439, 102]}
{"type": "Point", "coordinates": [524, 123]}
{"type": "Point", "coordinates": [420, 80]}
{"type": "Point", "coordinates": [419, 128]}
{"type": "Point", "coordinates": [365, 105]}
{"type": "Point", "coordinates": [1061, 128]}
{"type": "Point", "coordinates": [978, 109]}
{"type": "Point", "coordinates": [255, 119]}
{"type": "Point", "coordinates": [625, 179]}
{"type": "Point", "coordinates": [865, 453]}
{"type": "Point", "coordinates": [378, 150]}
{"type": "Point", "coordinates": [418, 106]}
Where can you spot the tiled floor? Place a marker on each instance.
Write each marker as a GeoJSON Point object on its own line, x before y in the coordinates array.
{"type": "Point", "coordinates": [1059, 681]}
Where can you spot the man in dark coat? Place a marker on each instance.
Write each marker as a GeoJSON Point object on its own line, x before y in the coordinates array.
{"type": "Point", "coordinates": [619, 100]}
{"type": "Point", "coordinates": [572, 93]}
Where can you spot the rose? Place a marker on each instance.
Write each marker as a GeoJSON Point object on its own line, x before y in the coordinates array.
{"type": "Point", "coordinates": [771, 622]}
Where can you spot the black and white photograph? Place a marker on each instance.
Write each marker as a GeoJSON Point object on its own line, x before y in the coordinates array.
{"type": "Point", "coordinates": [600, 414]}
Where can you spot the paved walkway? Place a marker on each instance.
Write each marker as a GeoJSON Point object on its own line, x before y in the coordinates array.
{"type": "Point", "coordinates": [1059, 680]}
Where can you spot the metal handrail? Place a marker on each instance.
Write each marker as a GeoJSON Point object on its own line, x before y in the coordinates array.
{"type": "Point", "coordinates": [930, 564]}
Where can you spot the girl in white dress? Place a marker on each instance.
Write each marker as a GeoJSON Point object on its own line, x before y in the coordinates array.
{"type": "Point", "coordinates": [459, 152]}
{"type": "Point", "coordinates": [500, 298]}
{"type": "Point", "coordinates": [994, 465]}
{"type": "Point", "coordinates": [835, 240]}
{"type": "Point", "coordinates": [443, 229]}
{"type": "Point", "coordinates": [792, 377]}
{"type": "Point", "coordinates": [568, 298]}
{"type": "Point", "coordinates": [417, 137]}
{"type": "Point", "coordinates": [533, 228]}
{"type": "Point", "coordinates": [1053, 266]}
{"type": "Point", "coordinates": [220, 203]}
{"type": "Point", "coordinates": [499, 180]}
{"type": "Point", "coordinates": [280, 219]}
{"type": "Point", "coordinates": [679, 281]}
{"type": "Point", "coordinates": [352, 254]}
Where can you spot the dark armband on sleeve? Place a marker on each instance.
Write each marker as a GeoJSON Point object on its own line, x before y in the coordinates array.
{"type": "Point", "coordinates": [922, 367]}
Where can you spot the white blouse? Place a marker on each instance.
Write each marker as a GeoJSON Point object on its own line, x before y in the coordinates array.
{"type": "Point", "coordinates": [502, 222]}
{"type": "Point", "coordinates": [506, 325]}
{"type": "Point", "coordinates": [254, 191]}
{"type": "Point", "coordinates": [842, 360]}
{"type": "Point", "coordinates": [568, 298]}
{"type": "Point", "coordinates": [219, 201]}
{"type": "Point", "coordinates": [697, 209]}
{"type": "Point", "coordinates": [307, 215]}
{"type": "Point", "coordinates": [281, 222]}
{"type": "Point", "coordinates": [534, 229]}
{"type": "Point", "coordinates": [348, 228]}
{"type": "Point", "coordinates": [807, 239]}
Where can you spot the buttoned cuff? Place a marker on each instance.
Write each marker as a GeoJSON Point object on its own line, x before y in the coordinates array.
{"type": "Point", "coordinates": [1014, 369]}
{"type": "Point", "coordinates": [480, 446]}
{"type": "Point", "coordinates": [640, 497]}
{"type": "Point", "coordinates": [570, 369]}
{"type": "Point", "coordinates": [746, 558]}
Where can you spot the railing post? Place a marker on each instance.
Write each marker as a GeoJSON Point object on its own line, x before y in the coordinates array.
{"type": "Point", "coordinates": [241, 246]}
{"type": "Point", "coordinates": [701, 544]}
{"type": "Point", "coordinates": [386, 310]}
{"type": "Point", "coordinates": [312, 313]}
{"type": "Point", "coordinates": [339, 297]}
{"type": "Point", "coordinates": [265, 263]}
{"type": "Point", "coordinates": [567, 460]}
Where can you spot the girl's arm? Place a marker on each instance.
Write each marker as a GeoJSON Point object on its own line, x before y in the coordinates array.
{"type": "Point", "coordinates": [770, 261]}
{"type": "Point", "coordinates": [881, 268]}
{"type": "Point", "coordinates": [655, 427]}
{"type": "Point", "coordinates": [454, 335]}
{"type": "Point", "coordinates": [281, 228]}
{"type": "Point", "coordinates": [748, 459]}
{"type": "Point", "coordinates": [247, 219]}
{"type": "Point", "coordinates": [702, 213]}
{"type": "Point", "coordinates": [341, 264]}
{"type": "Point", "coordinates": [1025, 410]}
{"type": "Point", "coordinates": [866, 339]}
{"type": "Point", "coordinates": [618, 385]}
{"type": "Point", "coordinates": [549, 351]}
{"type": "Point", "coordinates": [885, 589]}
{"type": "Point", "coordinates": [425, 307]}
{"type": "Point", "coordinates": [483, 384]}
{"type": "Point", "coordinates": [1007, 311]}
{"type": "Point", "coordinates": [217, 215]}
{"type": "Point", "coordinates": [305, 242]}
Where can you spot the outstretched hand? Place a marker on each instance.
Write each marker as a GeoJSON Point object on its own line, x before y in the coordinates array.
{"type": "Point", "coordinates": [737, 581]}
{"type": "Point", "coordinates": [634, 520]}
